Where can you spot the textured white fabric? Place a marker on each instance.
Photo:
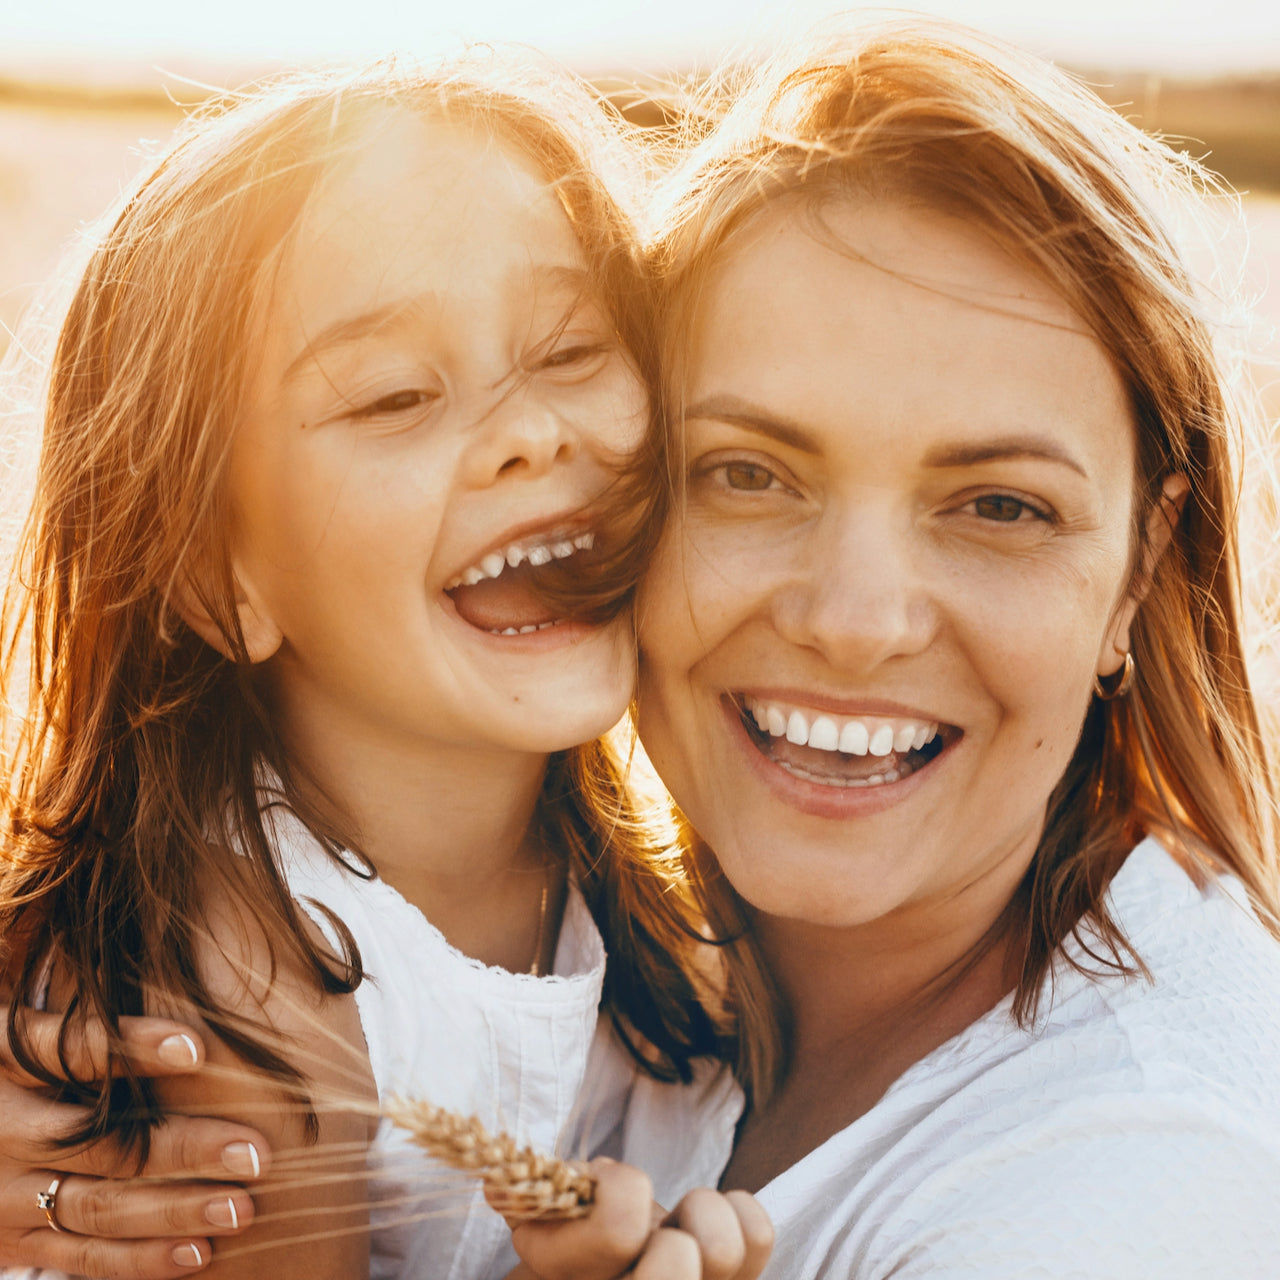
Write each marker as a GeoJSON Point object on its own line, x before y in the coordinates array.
{"type": "Point", "coordinates": [509, 1047]}
{"type": "Point", "coordinates": [1133, 1134]}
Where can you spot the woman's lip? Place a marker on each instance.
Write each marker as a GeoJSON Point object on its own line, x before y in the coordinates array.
{"type": "Point", "coordinates": [817, 799]}
{"type": "Point", "coordinates": [850, 708]}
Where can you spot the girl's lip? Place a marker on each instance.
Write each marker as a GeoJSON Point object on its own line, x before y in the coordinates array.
{"type": "Point", "coordinates": [564, 632]}
{"type": "Point", "coordinates": [818, 799]}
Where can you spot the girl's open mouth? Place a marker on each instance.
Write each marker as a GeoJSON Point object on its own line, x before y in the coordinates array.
{"type": "Point", "coordinates": [841, 751]}
{"type": "Point", "coordinates": [500, 594]}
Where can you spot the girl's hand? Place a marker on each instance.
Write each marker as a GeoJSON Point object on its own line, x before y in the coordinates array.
{"type": "Point", "coordinates": [110, 1222]}
{"type": "Point", "coordinates": [708, 1236]}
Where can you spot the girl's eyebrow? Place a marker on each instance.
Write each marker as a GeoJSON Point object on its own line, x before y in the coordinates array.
{"type": "Point", "coordinates": [742, 413]}
{"type": "Point", "coordinates": [561, 278]}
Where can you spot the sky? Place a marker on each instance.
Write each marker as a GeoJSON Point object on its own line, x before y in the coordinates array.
{"type": "Point", "coordinates": [599, 35]}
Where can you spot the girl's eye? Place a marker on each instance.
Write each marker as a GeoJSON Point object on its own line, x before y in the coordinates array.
{"type": "Point", "coordinates": [396, 402]}
{"type": "Point", "coordinates": [749, 476]}
{"type": "Point", "coordinates": [572, 355]}
{"type": "Point", "coordinates": [1003, 508]}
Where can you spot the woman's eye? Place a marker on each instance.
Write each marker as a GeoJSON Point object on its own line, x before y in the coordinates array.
{"type": "Point", "coordinates": [396, 402]}
{"type": "Point", "coordinates": [1003, 508]}
{"type": "Point", "coordinates": [749, 476]}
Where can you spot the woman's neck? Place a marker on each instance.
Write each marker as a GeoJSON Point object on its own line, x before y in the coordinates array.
{"type": "Point", "coordinates": [451, 827]}
{"type": "Point", "coordinates": [864, 1004]}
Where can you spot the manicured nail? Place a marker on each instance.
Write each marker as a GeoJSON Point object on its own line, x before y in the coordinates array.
{"type": "Point", "coordinates": [241, 1158]}
{"type": "Point", "coordinates": [187, 1255]}
{"type": "Point", "coordinates": [222, 1213]}
{"type": "Point", "coordinates": [178, 1051]}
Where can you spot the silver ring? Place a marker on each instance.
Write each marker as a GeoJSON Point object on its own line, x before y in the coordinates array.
{"type": "Point", "coordinates": [47, 1203]}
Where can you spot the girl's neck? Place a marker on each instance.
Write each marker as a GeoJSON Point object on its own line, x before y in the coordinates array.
{"type": "Point", "coordinates": [452, 828]}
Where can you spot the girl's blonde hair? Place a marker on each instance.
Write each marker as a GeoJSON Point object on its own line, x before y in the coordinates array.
{"type": "Point", "coordinates": [931, 113]}
{"type": "Point", "coordinates": [138, 761]}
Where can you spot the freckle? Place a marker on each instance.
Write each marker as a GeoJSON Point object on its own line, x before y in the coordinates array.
{"type": "Point", "coordinates": [1039, 743]}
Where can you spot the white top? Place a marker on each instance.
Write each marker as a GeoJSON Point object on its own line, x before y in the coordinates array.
{"type": "Point", "coordinates": [510, 1048]}
{"type": "Point", "coordinates": [1134, 1133]}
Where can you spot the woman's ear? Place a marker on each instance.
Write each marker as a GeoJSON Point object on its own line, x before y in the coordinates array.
{"type": "Point", "coordinates": [262, 637]}
{"type": "Point", "coordinates": [1162, 520]}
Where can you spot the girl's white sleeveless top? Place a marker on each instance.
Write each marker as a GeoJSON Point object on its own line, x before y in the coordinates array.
{"type": "Point", "coordinates": [523, 1053]}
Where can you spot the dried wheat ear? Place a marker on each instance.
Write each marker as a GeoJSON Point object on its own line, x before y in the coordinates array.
{"type": "Point", "coordinates": [521, 1183]}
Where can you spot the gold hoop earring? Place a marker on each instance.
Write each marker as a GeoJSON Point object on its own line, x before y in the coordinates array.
{"type": "Point", "coordinates": [1115, 687]}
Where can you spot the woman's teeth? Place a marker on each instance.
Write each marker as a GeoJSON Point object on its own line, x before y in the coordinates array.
{"type": "Point", "coordinates": [856, 736]}
{"type": "Point", "coordinates": [512, 557]}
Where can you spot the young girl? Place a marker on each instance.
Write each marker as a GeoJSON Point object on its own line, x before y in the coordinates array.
{"type": "Point", "coordinates": [340, 503]}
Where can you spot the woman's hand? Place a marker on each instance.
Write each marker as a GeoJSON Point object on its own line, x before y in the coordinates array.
{"type": "Point", "coordinates": [708, 1236]}
{"type": "Point", "coordinates": [115, 1225]}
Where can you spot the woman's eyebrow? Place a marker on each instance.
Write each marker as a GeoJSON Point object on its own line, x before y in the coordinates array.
{"type": "Point", "coordinates": [1004, 449]}
{"type": "Point", "coordinates": [741, 413]}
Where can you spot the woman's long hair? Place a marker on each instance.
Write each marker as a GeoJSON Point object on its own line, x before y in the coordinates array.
{"type": "Point", "coordinates": [134, 760]}
{"type": "Point", "coordinates": [937, 115]}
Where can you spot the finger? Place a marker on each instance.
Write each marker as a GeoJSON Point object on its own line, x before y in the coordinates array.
{"type": "Point", "coordinates": [669, 1255]}
{"type": "Point", "coordinates": [181, 1147]}
{"type": "Point", "coordinates": [757, 1233]}
{"type": "Point", "coordinates": [127, 1210]}
{"type": "Point", "coordinates": [106, 1259]}
{"type": "Point", "coordinates": [604, 1243]}
{"type": "Point", "coordinates": [712, 1221]}
{"type": "Point", "coordinates": [153, 1046]}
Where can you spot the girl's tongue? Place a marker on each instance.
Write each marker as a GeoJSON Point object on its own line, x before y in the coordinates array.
{"type": "Point", "coordinates": [508, 602]}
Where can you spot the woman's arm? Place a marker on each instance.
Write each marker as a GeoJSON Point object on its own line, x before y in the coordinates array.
{"type": "Point", "coordinates": [114, 1227]}
{"type": "Point", "coordinates": [312, 1206]}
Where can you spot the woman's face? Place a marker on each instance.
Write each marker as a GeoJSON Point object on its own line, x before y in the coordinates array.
{"type": "Point", "coordinates": [869, 639]}
{"type": "Point", "coordinates": [440, 398]}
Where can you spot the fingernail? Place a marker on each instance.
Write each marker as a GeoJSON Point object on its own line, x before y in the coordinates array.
{"type": "Point", "coordinates": [178, 1051]}
{"type": "Point", "coordinates": [241, 1158]}
{"type": "Point", "coordinates": [222, 1213]}
{"type": "Point", "coordinates": [187, 1255]}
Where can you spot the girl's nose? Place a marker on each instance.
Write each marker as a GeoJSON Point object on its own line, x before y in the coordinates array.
{"type": "Point", "coordinates": [857, 590]}
{"type": "Point", "coordinates": [521, 436]}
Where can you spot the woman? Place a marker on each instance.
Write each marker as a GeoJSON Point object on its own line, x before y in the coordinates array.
{"type": "Point", "coordinates": [943, 661]}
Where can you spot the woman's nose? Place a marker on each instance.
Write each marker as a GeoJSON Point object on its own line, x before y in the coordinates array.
{"type": "Point", "coordinates": [520, 436]}
{"type": "Point", "coordinates": [857, 590]}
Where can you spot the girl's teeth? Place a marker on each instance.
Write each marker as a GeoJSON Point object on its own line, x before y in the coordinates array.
{"type": "Point", "coordinates": [561, 550]}
{"type": "Point", "coordinates": [515, 556]}
{"type": "Point", "coordinates": [539, 555]}
{"type": "Point", "coordinates": [493, 564]}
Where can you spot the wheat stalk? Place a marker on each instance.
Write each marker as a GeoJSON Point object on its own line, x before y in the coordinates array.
{"type": "Point", "coordinates": [521, 1183]}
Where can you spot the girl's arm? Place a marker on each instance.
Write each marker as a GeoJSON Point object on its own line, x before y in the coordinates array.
{"type": "Point", "coordinates": [115, 1228]}
{"type": "Point", "coordinates": [311, 1221]}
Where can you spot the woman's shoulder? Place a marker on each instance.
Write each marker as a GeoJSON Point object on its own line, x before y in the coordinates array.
{"type": "Point", "coordinates": [1133, 1129]}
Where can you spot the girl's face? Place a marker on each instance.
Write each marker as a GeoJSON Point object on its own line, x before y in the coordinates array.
{"type": "Point", "coordinates": [439, 400]}
{"type": "Point", "coordinates": [870, 637]}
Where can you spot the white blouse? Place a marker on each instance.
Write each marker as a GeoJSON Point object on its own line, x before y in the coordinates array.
{"type": "Point", "coordinates": [522, 1053]}
{"type": "Point", "coordinates": [1134, 1132]}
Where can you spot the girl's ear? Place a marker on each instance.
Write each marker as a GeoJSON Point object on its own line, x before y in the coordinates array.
{"type": "Point", "coordinates": [1161, 522]}
{"type": "Point", "coordinates": [262, 637]}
